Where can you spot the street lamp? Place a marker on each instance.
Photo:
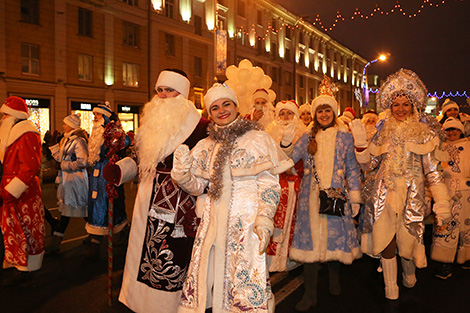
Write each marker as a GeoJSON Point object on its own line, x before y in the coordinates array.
{"type": "Point", "coordinates": [365, 87]}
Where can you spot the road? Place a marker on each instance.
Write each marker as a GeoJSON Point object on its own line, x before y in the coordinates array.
{"type": "Point", "coordinates": [70, 282]}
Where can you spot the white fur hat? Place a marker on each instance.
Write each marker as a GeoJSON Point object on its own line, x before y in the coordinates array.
{"type": "Point", "coordinates": [173, 80]}
{"type": "Point", "coordinates": [305, 108]}
{"type": "Point", "coordinates": [73, 120]}
{"type": "Point", "coordinates": [324, 99]}
{"type": "Point", "coordinates": [16, 107]}
{"type": "Point", "coordinates": [452, 122]}
{"type": "Point", "coordinates": [289, 105]}
{"type": "Point", "coordinates": [104, 109]}
{"type": "Point", "coordinates": [219, 91]}
{"type": "Point", "coordinates": [449, 104]}
{"type": "Point", "coordinates": [261, 93]}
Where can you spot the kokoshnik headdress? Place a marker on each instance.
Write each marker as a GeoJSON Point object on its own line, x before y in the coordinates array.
{"type": "Point", "coordinates": [403, 83]}
{"type": "Point", "coordinates": [327, 90]}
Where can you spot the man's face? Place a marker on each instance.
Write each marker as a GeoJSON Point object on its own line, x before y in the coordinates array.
{"type": "Point", "coordinates": [97, 116]}
{"type": "Point", "coordinates": [260, 103]}
{"type": "Point", "coordinates": [166, 92]}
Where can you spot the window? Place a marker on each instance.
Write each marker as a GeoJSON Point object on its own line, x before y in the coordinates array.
{"type": "Point", "coordinates": [169, 44]}
{"type": "Point", "coordinates": [273, 24]}
{"type": "Point", "coordinates": [130, 34]}
{"type": "Point", "coordinates": [301, 100]}
{"type": "Point", "coordinates": [287, 56]}
{"type": "Point", "coordinates": [301, 81]}
{"type": "Point", "coordinates": [274, 50]}
{"type": "Point", "coordinates": [274, 74]}
{"type": "Point", "coordinates": [260, 17]}
{"type": "Point", "coordinates": [30, 11]}
{"type": "Point", "coordinates": [310, 93]}
{"type": "Point", "coordinates": [29, 59]}
{"type": "Point", "coordinates": [85, 66]}
{"type": "Point", "coordinates": [301, 37]}
{"type": "Point", "coordinates": [197, 25]}
{"type": "Point", "coordinates": [241, 8]}
{"type": "Point", "coordinates": [169, 5]}
{"type": "Point", "coordinates": [197, 67]}
{"type": "Point", "coordinates": [134, 3]}
{"type": "Point", "coordinates": [130, 74]}
{"type": "Point", "coordinates": [288, 32]}
{"type": "Point", "coordinates": [85, 22]}
{"type": "Point", "coordinates": [288, 78]}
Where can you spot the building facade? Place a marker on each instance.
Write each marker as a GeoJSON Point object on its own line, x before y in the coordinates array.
{"type": "Point", "coordinates": [66, 56]}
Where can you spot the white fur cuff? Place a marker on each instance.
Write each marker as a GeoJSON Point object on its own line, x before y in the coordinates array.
{"type": "Point", "coordinates": [16, 187]}
{"type": "Point", "coordinates": [128, 169]}
{"type": "Point", "coordinates": [265, 222]}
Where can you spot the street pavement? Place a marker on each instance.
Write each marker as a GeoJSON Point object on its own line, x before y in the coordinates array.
{"type": "Point", "coordinates": [71, 282]}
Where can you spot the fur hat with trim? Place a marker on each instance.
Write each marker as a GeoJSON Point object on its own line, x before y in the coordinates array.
{"type": "Point", "coordinates": [290, 105]}
{"type": "Point", "coordinates": [452, 122]}
{"type": "Point", "coordinates": [448, 104]}
{"type": "Point", "coordinates": [16, 107]}
{"type": "Point", "coordinates": [73, 120]}
{"type": "Point", "coordinates": [328, 92]}
{"type": "Point", "coordinates": [173, 80]}
{"type": "Point", "coordinates": [217, 92]}
{"type": "Point", "coordinates": [261, 93]}
{"type": "Point", "coordinates": [306, 107]}
{"type": "Point", "coordinates": [104, 109]}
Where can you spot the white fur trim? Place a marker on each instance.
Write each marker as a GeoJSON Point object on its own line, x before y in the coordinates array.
{"type": "Point", "coordinates": [449, 104]}
{"type": "Point", "coordinates": [173, 80]}
{"type": "Point", "coordinates": [34, 263]}
{"type": "Point", "coordinates": [15, 113]}
{"type": "Point", "coordinates": [20, 129]}
{"type": "Point", "coordinates": [16, 187]}
{"type": "Point", "coordinates": [305, 108]}
{"type": "Point", "coordinates": [128, 169]}
{"type": "Point", "coordinates": [261, 94]}
{"type": "Point", "coordinates": [217, 92]}
{"type": "Point", "coordinates": [453, 123]}
{"type": "Point", "coordinates": [324, 99]}
{"type": "Point", "coordinates": [103, 231]}
{"type": "Point", "coordinates": [289, 105]}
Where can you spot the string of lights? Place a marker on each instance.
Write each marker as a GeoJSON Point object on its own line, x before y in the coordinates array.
{"type": "Point", "coordinates": [357, 14]}
{"type": "Point", "coordinates": [436, 95]}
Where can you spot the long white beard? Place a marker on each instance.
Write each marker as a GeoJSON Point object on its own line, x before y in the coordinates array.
{"type": "Point", "coordinates": [5, 128]}
{"type": "Point", "coordinates": [95, 142]}
{"type": "Point", "coordinates": [162, 124]}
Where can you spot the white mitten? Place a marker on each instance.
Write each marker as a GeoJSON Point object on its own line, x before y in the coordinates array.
{"type": "Point", "coordinates": [359, 133]}
{"type": "Point", "coordinates": [355, 208]}
{"type": "Point", "coordinates": [181, 162]}
{"type": "Point", "coordinates": [288, 135]}
{"type": "Point", "coordinates": [264, 236]}
{"type": "Point", "coordinates": [443, 212]}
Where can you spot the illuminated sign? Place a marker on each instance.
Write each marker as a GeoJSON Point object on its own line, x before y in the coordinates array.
{"type": "Point", "coordinates": [128, 109]}
{"type": "Point", "coordinates": [83, 106]}
{"type": "Point", "coordinates": [38, 103]}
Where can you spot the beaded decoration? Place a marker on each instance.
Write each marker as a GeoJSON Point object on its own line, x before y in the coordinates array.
{"type": "Point", "coordinates": [327, 87]}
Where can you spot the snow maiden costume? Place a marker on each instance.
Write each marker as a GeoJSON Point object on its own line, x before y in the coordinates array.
{"type": "Point", "coordinates": [403, 152]}
{"type": "Point", "coordinates": [285, 133]}
{"type": "Point", "coordinates": [239, 164]}
{"type": "Point", "coordinates": [22, 211]}
{"type": "Point", "coordinates": [164, 220]}
{"type": "Point", "coordinates": [333, 166]}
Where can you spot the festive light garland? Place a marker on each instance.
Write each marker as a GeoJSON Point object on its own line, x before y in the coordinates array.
{"type": "Point", "coordinates": [397, 8]}
{"type": "Point", "coordinates": [435, 94]}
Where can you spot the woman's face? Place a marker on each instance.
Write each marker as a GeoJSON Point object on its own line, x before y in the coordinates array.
{"type": "Point", "coordinates": [306, 117]}
{"type": "Point", "coordinates": [286, 115]}
{"type": "Point", "coordinates": [324, 115]}
{"type": "Point", "coordinates": [401, 108]}
{"type": "Point", "coordinates": [223, 112]}
{"type": "Point", "coordinates": [66, 128]}
{"type": "Point", "coordinates": [453, 134]}
{"type": "Point", "coordinates": [452, 112]}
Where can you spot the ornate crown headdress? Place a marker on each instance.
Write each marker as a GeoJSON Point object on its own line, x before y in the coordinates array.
{"type": "Point", "coordinates": [403, 83]}
{"type": "Point", "coordinates": [327, 87]}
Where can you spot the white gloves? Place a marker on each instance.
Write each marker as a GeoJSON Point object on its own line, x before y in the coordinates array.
{"type": "Point", "coordinates": [355, 208]}
{"type": "Point", "coordinates": [359, 133]}
{"type": "Point", "coordinates": [442, 210]}
{"type": "Point", "coordinates": [181, 162]}
{"type": "Point", "coordinates": [264, 236]}
{"type": "Point", "coordinates": [288, 135]}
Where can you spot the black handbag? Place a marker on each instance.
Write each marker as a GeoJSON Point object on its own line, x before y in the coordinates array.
{"type": "Point", "coordinates": [330, 205]}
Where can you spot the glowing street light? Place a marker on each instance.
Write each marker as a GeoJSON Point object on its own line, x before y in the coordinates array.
{"type": "Point", "coordinates": [365, 87]}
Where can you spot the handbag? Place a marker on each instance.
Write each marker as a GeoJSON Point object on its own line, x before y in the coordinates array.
{"type": "Point", "coordinates": [331, 205]}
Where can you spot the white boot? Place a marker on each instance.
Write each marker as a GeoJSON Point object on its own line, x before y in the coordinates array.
{"type": "Point", "coordinates": [409, 269]}
{"type": "Point", "coordinates": [389, 267]}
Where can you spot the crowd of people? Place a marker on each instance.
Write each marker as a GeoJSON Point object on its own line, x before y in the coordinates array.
{"type": "Point", "coordinates": [226, 200]}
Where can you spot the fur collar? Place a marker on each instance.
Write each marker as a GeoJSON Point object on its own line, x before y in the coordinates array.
{"type": "Point", "coordinates": [19, 129]}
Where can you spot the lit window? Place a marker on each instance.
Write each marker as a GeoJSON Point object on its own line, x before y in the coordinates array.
{"type": "Point", "coordinates": [85, 66]}
{"type": "Point", "coordinates": [130, 75]}
{"type": "Point", "coordinates": [169, 5]}
{"type": "Point", "coordinates": [29, 59]}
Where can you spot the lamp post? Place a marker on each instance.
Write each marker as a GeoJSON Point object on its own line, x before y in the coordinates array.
{"type": "Point", "coordinates": [365, 87]}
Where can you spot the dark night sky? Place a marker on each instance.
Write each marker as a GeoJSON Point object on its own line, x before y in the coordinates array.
{"type": "Point", "coordinates": [435, 44]}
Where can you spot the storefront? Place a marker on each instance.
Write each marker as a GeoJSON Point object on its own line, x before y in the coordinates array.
{"type": "Point", "coordinates": [129, 116]}
{"type": "Point", "coordinates": [40, 113]}
{"type": "Point", "coordinates": [85, 109]}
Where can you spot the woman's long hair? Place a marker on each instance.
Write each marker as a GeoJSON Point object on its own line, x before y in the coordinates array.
{"type": "Point", "coordinates": [312, 145]}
